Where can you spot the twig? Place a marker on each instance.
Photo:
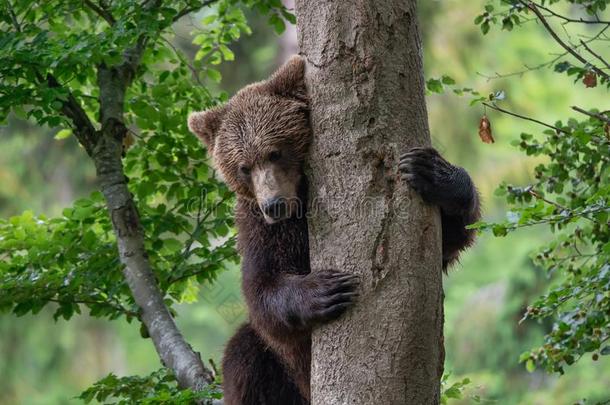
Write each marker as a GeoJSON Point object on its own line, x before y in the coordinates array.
{"type": "Point", "coordinates": [593, 115]}
{"type": "Point", "coordinates": [84, 130]}
{"type": "Point", "coordinates": [188, 10]}
{"type": "Point", "coordinates": [567, 19]}
{"type": "Point", "coordinates": [196, 232]}
{"type": "Point", "coordinates": [13, 16]}
{"type": "Point", "coordinates": [523, 117]}
{"type": "Point", "coordinates": [522, 72]}
{"type": "Point", "coordinates": [116, 307]}
{"type": "Point", "coordinates": [595, 54]}
{"type": "Point", "coordinates": [71, 108]}
{"type": "Point", "coordinates": [545, 64]}
{"type": "Point", "coordinates": [200, 270]}
{"type": "Point", "coordinates": [179, 55]}
{"type": "Point", "coordinates": [101, 11]}
{"type": "Point", "coordinates": [553, 203]}
{"type": "Point", "coordinates": [545, 23]}
{"type": "Point", "coordinates": [560, 218]}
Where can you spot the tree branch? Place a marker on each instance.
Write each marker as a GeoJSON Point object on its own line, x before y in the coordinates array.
{"type": "Point", "coordinates": [83, 128]}
{"type": "Point", "coordinates": [192, 68]}
{"type": "Point", "coordinates": [190, 9]}
{"type": "Point", "coordinates": [593, 115]}
{"type": "Point", "coordinates": [595, 54]}
{"type": "Point", "coordinates": [571, 20]}
{"type": "Point", "coordinates": [184, 276]}
{"type": "Point", "coordinates": [523, 71]}
{"type": "Point", "coordinates": [173, 350]}
{"type": "Point", "coordinates": [539, 196]}
{"type": "Point", "coordinates": [101, 11]}
{"type": "Point", "coordinates": [118, 308]}
{"type": "Point", "coordinates": [14, 20]}
{"type": "Point", "coordinates": [532, 6]}
{"type": "Point", "coordinates": [523, 117]}
{"type": "Point", "coordinates": [542, 65]}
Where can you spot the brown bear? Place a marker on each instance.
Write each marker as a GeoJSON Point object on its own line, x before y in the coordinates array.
{"type": "Point", "coordinates": [259, 142]}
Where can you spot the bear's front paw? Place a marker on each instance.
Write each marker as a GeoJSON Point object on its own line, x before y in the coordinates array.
{"type": "Point", "coordinates": [331, 294]}
{"type": "Point", "coordinates": [436, 180]}
{"type": "Point", "coordinates": [425, 170]}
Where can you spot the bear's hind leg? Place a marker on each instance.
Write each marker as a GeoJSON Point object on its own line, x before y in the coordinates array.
{"type": "Point", "coordinates": [253, 375]}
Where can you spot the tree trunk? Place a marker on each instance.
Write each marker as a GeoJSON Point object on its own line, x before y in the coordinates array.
{"type": "Point", "coordinates": [175, 353]}
{"type": "Point", "coordinates": [365, 81]}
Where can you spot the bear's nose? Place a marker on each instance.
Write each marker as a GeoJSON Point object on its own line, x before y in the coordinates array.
{"type": "Point", "coordinates": [275, 207]}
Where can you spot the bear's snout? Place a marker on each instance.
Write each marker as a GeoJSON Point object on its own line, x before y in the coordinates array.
{"type": "Point", "coordinates": [275, 208]}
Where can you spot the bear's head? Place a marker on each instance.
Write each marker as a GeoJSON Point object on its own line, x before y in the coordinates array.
{"type": "Point", "coordinates": [259, 140]}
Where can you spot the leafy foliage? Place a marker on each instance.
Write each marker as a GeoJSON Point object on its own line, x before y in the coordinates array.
{"type": "Point", "coordinates": [570, 194]}
{"type": "Point", "coordinates": [185, 210]}
{"type": "Point", "coordinates": [456, 391]}
{"type": "Point", "coordinates": [51, 55]}
{"type": "Point", "coordinates": [158, 388]}
{"type": "Point", "coordinates": [514, 13]}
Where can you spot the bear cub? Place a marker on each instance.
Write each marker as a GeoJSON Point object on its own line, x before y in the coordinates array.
{"type": "Point", "coordinates": [259, 142]}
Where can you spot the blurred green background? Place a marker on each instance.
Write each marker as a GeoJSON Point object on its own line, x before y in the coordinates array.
{"type": "Point", "coordinates": [47, 362]}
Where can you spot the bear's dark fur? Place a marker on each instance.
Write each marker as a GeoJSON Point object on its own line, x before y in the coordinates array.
{"type": "Point", "coordinates": [259, 142]}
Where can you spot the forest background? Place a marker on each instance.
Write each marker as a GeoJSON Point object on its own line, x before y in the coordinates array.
{"type": "Point", "coordinates": [43, 361]}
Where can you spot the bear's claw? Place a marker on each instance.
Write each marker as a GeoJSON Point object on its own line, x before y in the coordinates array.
{"type": "Point", "coordinates": [332, 293]}
{"type": "Point", "coordinates": [434, 179]}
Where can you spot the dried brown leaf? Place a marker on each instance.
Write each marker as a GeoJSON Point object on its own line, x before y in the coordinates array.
{"type": "Point", "coordinates": [485, 130]}
{"type": "Point", "coordinates": [590, 79]}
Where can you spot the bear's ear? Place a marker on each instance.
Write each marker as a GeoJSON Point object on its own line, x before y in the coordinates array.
{"type": "Point", "coordinates": [289, 79]}
{"type": "Point", "coordinates": [205, 125]}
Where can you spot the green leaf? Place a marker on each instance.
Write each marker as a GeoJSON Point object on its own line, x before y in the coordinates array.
{"type": "Point", "coordinates": [277, 23]}
{"type": "Point", "coordinates": [227, 54]}
{"type": "Point", "coordinates": [499, 230]}
{"type": "Point", "coordinates": [209, 19]}
{"type": "Point", "coordinates": [448, 80]}
{"type": "Point", "coordinates": [485, 27]}
{"type": "Point", "coordinates": [434, 85]}
{"type": "Point", "coordinates": [562, 67]}
{"type": "Point", "coordinates": [214, 75]}
{"type": "Point", "coordinates": [63, 134]}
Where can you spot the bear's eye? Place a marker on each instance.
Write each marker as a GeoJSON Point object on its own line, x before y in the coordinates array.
{"type": "Point", "coordinates": [275, 156]}
{"type": "Point", "coordinates": [245, 170]}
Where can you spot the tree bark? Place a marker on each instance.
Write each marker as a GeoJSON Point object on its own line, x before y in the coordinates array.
{"type": "Point", "coordinates": [366, 87]}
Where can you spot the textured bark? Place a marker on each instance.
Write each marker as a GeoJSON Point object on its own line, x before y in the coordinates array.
{"type": "Point", "coordinates": [365, 81]}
